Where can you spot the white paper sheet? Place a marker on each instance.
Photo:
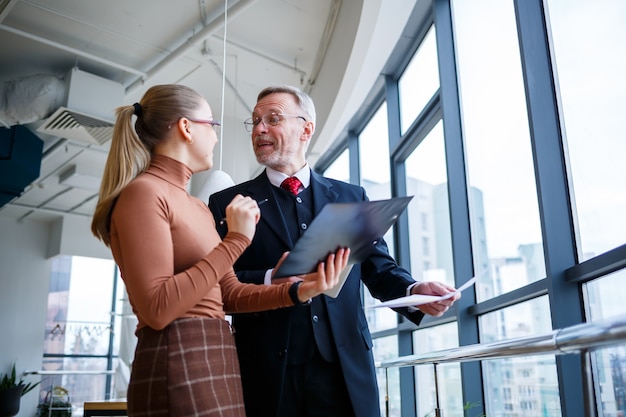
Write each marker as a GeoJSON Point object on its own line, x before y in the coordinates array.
{"type": "Point", "coordinates": [418, 299]}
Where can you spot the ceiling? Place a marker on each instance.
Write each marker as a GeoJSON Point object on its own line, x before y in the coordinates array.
{"type": "Point", "coordinates": [228, 50]}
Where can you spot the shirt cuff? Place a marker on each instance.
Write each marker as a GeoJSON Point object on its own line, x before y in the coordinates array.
{"type": "Point", "coordinates": [411, 309]}
{"type": "Point", "coordinates": [268, 277]}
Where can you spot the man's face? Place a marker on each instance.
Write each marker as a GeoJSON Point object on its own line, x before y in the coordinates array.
{"type": "Point", "coordinates": [281, 146]}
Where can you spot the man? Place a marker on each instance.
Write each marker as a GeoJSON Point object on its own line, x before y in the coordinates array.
{"type": "Point", "coordinates": [313, 360]}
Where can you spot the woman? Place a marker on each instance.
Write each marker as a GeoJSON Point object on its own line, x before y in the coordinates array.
{"type": "Point", "coordinates": [177, 271]}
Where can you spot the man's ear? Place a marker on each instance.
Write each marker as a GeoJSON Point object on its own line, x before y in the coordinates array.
{"type": "Point", "coordinates": [309, 129]}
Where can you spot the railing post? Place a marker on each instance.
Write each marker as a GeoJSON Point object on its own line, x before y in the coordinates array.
{"type": "Point", "coordinates": [588, 387]}
{"type": "Point", "coordinates": [438, 410]}
{"type": "Point", "coordinates": [386, 391]}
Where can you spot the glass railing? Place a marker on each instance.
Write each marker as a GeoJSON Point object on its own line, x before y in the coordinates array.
{"type": "Point", "coordinates": [580, 339]}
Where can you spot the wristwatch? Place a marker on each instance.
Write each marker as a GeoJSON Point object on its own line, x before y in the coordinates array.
{"type": "Point", "coordinates": [293, 293]}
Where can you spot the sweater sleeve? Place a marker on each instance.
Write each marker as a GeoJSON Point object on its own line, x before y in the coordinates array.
{"type": "Point", "coordinates": [247, 298]}
{"type": "Point", "coordinates": [142, 244]}
{"type": "Point", "coordinates": [160, 300]}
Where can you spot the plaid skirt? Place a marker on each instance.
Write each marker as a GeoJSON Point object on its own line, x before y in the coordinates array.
{"type": "Point", "coordinates": [190, 368]}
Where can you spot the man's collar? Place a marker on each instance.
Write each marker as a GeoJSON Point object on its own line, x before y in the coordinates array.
{"type": "Point", "coordinates": [277, 177]}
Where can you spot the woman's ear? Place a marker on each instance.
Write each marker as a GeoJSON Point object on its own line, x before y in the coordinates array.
{"type": "Point", "coordinates": [184, 127]}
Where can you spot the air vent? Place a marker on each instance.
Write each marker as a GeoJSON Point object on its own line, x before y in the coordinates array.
{"type": "Point", "coordinates": [72, 125]}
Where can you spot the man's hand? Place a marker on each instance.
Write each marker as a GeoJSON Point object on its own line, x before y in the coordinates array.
{"type": "Point", "coordinates": [437, 308]}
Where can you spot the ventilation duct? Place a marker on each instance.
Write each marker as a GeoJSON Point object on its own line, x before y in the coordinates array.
{"type": "Point", "coordinates": [89, 113]}
{"type": "Point", "coordinates": [30, 99]}
{"type": "Point", "coordinates": [79, 107]}
{"type": "Point", "coordinates": [77, 126]}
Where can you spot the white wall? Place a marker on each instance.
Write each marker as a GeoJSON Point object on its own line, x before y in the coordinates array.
{"type": "Point", "coordinates": [24, 283]}
{"type": "Point", "coordinates": [26, 253]}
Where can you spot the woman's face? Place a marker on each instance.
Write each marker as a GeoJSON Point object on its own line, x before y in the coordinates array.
{"type": "Point", "coordinates": [204, 138]}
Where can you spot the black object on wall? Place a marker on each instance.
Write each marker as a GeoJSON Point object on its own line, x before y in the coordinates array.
{"type": "Point", "coordinates": [20, 161]}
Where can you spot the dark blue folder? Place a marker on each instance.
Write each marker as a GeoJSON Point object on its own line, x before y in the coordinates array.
{"type": "Point", "coordinates": [357, 226]}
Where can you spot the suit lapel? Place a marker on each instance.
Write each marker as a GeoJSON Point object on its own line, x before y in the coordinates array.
{"type": "Point", "coordinates": [322, 192]}
{"type": "Point", "coordinates": [260, 189]}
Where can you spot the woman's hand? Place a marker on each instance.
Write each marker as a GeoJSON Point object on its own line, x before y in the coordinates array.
{"type": "Point", "coordinates": [242, 215]}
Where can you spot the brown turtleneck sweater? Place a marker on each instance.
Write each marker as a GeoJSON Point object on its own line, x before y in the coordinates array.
{"type": "Point", "coordinates": [172, 259]}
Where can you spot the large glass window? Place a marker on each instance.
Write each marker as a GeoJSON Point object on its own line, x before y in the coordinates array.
{"type": "Point", "coordinates": [388, 379]}
{"type": "Point", "coordinates": [448, 383]}
{"type": "Point", "coordinates": [507, 246]}
{"type": "Point", "coordinates": [340, 168]}
{"type": "Point", "coordinates": [375, 178]}
{"type": "Point", "coordinates": [588, 41]}
{"type": "Point", "coordinates": [609, 364]}
{"type": "Point", "coordinates": [374, 156]}
{"type": "Point", "coordinates": [429, 216]}
{"type": "Point", "coordinates": [81, 340]}
{"type": "Point", "coordinates": [504, 210]}
{"type": "Point", "coordinates": [524, 385]}
{"type": "Point", "coordinates": [420, 80]}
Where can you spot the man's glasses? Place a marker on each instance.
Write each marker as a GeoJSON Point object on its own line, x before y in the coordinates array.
{"type": "Point", "coordinates": [213, 123]}
{"type": "Point", "coordinates": [272, 119]}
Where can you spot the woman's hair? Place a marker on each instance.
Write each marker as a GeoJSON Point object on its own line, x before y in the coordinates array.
{"type": "Point", "coordinates": [131, 149]}
{"type": "Point", "coordinates": [303, 99]}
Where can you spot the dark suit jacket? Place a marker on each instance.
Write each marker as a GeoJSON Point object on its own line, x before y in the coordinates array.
{"type": "Point", "coordinates": [262, 338]}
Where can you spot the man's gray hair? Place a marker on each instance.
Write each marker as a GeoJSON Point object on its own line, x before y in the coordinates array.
{"type": "Point", "coordinates": [303, 99]}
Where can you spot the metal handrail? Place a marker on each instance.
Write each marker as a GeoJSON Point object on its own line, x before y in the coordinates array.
{"type": "Point", "coordinates": [62, 372]}
{"type": "Point", "coordinates": [573, 339]}
{"type": "Point", "coordinates": [581, 338]}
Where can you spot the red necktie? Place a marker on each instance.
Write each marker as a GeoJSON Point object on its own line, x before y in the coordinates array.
{"type": "Point", "coordinates": [291, 184]}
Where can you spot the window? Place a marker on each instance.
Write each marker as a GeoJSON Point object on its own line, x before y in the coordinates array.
{"type": "Point", "coordinates": [420, 80]}
{"type": "Point", "coordinates": [388, 380]}
{"type": "Point", "coordinates": [374, 156]}
{"type": "Point", "coordinates": [448, 375]}
{"type": "Point", "coordinates": [609, 364]}
{"type": "Point", "coordinates": [504, 376]}
{"type": "Point", "coordinates": [429, 217]}
{"type": "Point", "coordinates": [340, 168]}
{"type": "Point", "coordinates": [375, 178]}
{"type": "Point", "coordinates": [474, 89]}
{"type": "Point", "coordinates": [588, 41]}
{"type": "Point", "coordinates": [81, 340]}
{"type": "Point", "coordinates": [503, 197]}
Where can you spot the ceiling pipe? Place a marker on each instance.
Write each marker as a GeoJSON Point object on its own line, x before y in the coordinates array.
{"type": "Point", "coordinates": [206, 31]}
{"type": "Point", "coordinates": [74, 51]}
{"type": "Point", "coordinates": [5, 8]}
{"type": "Point", "coordinates": [324, 43]}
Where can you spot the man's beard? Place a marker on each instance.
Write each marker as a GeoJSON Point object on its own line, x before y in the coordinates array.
{"type": "Point", "coordinates": [266, 159]}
